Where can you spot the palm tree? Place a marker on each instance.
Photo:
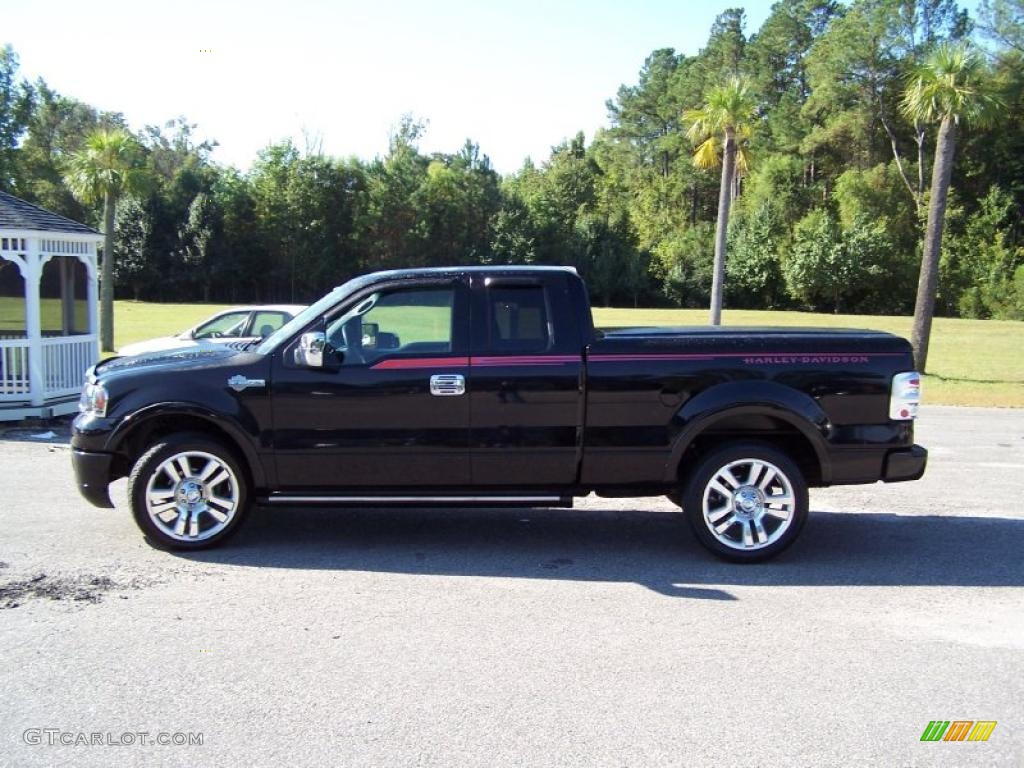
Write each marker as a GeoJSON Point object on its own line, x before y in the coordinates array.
{"type": "Point", "coordinates": [722, 126]}
{"type": "Point", "coordinates": [108, 166]}
{"type": "Point", "coordinates": [948, 89]}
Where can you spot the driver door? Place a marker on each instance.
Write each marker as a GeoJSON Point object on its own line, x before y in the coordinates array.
{"type": "Point", "coordinates": [375, 421]}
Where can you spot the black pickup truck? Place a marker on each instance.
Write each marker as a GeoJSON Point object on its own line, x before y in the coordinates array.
{"type": "Point", "coordinates": [491, 386]}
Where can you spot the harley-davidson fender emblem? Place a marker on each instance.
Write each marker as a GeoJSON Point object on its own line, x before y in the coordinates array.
{"type": "Point", "coordinates": [239, 383]}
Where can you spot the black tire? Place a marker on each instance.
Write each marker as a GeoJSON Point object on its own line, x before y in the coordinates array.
{"type": "Point", "coordinates": [208, 509]}
{"type": "Point", "coordinates": [745, 515]}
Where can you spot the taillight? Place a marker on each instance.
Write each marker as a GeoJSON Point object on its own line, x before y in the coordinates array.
{"type": "Point", "coordinates": [905, 396]}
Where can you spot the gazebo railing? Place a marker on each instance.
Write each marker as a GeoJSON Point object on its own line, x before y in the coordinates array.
{"type": "Point", "coordinates": [65, 360]}
{"type": "Point", "coordinates": [14, 378]}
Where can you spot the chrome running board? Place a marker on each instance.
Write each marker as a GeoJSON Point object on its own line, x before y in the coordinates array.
{"type": "Point", "coordinates": [503, 500]}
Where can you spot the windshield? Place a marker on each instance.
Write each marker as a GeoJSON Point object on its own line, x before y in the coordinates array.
{"type": "Point", "coordinates": [307, 316]}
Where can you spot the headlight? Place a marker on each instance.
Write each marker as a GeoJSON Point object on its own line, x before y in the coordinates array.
{"type": "Point", "coordinates": [93, 400]}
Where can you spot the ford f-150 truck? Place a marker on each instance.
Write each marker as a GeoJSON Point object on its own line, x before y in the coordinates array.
{"type": "Point", "coordinates": [490, 386]}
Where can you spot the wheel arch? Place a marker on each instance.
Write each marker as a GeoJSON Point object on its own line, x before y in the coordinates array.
{"type": "Point", "coordinates": [764, 411]}
{"type": "Point", "coordinates": [136, 433]}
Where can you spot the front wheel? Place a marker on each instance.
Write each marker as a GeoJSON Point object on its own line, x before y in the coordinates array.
{"type": "Point", "coordinates": [188, 492]}
{"type": "Point", "coordinates": [746, 501]}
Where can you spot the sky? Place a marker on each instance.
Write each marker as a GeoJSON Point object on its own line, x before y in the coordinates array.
{"type": "Point", "coordinates": [516, 77]}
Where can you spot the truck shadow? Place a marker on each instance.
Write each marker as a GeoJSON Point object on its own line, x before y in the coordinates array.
{"type": "Point", "coordinates": [655, 549]}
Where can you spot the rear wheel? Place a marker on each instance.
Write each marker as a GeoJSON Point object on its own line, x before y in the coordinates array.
{"type": "Point", "coordinates": [188, 492]}
{"type": "Point", "coordinates": [746, 501]}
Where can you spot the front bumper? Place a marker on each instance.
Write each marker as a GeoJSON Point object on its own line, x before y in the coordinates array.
{"type": "Point", "coordinates": [905, 464]}
{"type": "Point", "coordinates": [92, 474]}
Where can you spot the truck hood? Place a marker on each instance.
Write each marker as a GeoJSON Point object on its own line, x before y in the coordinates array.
{"type": "Point", "coordinates": [173, 360]}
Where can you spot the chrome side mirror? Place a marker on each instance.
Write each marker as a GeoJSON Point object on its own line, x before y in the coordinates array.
{"type": "Point", "coordinates": [310, 352]}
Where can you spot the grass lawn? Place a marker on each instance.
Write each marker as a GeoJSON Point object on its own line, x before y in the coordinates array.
{"type": "Point", "coordinates": [12, 314]}
{"type": "Point", "coordinates": [136, 321]}
{"type": "Point", "coordinates": [972, 362]}
{"type": "Point", "coordinates": [141, 320]}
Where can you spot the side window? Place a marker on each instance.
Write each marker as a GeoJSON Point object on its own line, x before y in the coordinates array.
{"type": "Point", "coordinates": [518, 319]}
{"type": "Point", "coordinates": [265, 323]}
{"type": "Point", "coordinates": [225, 326]}
{"type": "Point", "coordinates": [412, 321]}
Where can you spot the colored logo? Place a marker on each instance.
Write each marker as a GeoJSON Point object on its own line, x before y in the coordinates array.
{"type": "Point", "coordinates": [958, 730]}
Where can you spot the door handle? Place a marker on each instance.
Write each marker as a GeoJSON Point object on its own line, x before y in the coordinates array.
{"type": "Point", "coordinates": [447, 384]}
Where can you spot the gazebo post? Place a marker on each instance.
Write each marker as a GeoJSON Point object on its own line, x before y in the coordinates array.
{"type": "Point", "coordinates": [33, 322]}
{"type": "Point", "coordinates": [92, 283]}
{"type": "Point", "coordinates": [67, 296]}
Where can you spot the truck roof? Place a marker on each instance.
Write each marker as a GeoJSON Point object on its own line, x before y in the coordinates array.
{"type": "Point", "coordinates": [496, 269]}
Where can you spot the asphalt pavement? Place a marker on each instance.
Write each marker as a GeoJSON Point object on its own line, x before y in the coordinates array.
{"type": "Point", "coordinates": [598, 636]}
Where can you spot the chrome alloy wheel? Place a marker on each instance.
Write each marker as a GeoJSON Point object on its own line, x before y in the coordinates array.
{"type": "Point", "coordinates": [748, 504]}
{"type": "Point", "coordinates": [192, 496]}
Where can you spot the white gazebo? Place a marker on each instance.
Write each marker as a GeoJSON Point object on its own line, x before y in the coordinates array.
{"type": "Point", "coordinates": [48, 330]}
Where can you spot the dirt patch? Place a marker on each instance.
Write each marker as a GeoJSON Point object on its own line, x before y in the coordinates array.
{"type": "Point", "coordinates": [76, 589]}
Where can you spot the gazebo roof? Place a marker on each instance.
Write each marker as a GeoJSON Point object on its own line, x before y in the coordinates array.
{"type": "Point", "coordinates": [19, 214]}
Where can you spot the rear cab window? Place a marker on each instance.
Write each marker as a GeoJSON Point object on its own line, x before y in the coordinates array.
{"type": "Point", "coordinates": [517, 316]}
{"type": "Point", "coordinates": [518, 319]}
